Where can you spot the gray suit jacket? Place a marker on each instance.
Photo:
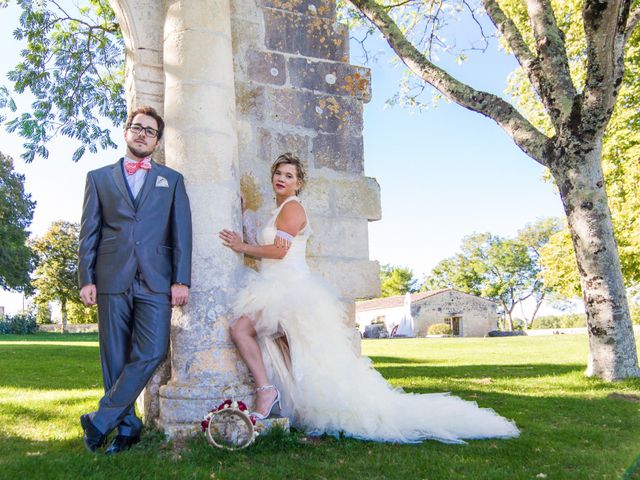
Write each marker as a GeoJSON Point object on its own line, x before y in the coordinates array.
{"type": "Point", "coordinates": [119, 236]}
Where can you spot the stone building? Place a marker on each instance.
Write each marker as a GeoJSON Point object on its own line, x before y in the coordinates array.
{"type": "Point", "coordinates": [238, 83]}
{"type": "Point", "coordinates": [467, 315]}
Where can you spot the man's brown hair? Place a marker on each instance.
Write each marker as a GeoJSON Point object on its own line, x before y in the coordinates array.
{"type": "Point", "coordinates": [147, 110]}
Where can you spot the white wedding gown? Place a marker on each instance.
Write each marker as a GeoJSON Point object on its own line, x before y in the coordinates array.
{"type": "Point", "coordinates": [325, 386]}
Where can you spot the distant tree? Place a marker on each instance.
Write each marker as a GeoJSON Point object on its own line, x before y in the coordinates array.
{"type": "Point", "coordinates": [55, 277]}
{"type": "Point", "coordinates": [535, 236]}
{"type": "Point", "coordinates": [73, 64]}
{"type": "Point", "coordinates": [16, 213]}
{"type": "Point", "coordinates": [396, 280]}
{"type": "Point", "coordinates": [78, 313]}
{"type": "Point", "coordinates": [492, 267]}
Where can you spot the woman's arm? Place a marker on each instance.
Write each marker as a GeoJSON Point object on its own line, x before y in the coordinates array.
{"type": "Point", "coordinates": [291, 220]}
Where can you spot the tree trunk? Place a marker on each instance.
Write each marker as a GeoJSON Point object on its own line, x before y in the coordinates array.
{"type": "Point", "coordinates": [577, 171]}
{"type": "Point", "coordinates": [529, 323]}
{"type": "Point", "coordinates": [508, 311]}
{"type": "Point", "coordinates": [63, 311]}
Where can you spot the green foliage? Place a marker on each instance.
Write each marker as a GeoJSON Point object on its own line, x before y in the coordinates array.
{"type": "Point", "coordinates": [55, 277]}
{"type": "Point", "coordinates": [42, 312]}
{"type": "Point", "coordinates": [571, 320]}
{"type": "Point", "coordinates": [16, 213]}
{"type": "Point", "coordinates": [20, 324]}
{"type": "Point", "coordinates": [78, 313]}
{"type": "Point", "coordinates": [504, 270]}
{"type": "Point", "coordinates": [488, 266]}
{"type": "Point", "coordinates": [396, 280]}
{"type": "Point", "coordinates": [439, 329]}
{"type": "Point", "coordinates": [73, 64]}
{"type": "Point", "coordinates": [621, 148]}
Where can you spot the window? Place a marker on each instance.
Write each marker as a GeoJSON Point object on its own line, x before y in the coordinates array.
{"type": "Point", "coordinates": [455, 323]}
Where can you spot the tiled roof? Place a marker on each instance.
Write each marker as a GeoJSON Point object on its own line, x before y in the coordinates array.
{"type": "Point", "coordinates": [398, 300]}
{"type": "Point", "coordinates": [395, 301]}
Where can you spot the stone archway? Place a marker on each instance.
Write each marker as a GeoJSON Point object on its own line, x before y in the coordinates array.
{"type": "Point", "coordinates": [240, 82]}
{"type": "Point", "coordinates": [166, 69]}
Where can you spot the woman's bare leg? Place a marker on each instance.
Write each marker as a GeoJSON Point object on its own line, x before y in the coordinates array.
{"type": "Point", "coordinates": [244, 336]}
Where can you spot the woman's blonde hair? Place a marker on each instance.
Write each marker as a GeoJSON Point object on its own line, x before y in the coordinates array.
{"type": "Point", "coordinates": [291, 159]}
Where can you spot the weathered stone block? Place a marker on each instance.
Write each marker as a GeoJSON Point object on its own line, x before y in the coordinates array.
{"type": "Point", "coordinates": [339, 152]}
{"type": "Point", "coordinates": [201, 15]}
{"type": "Point", "coordinates": [291, 142]}
{"type": "Point", "coordinates": [265, 67]}
{"type": "Point", "coordinates": [353, 278]}
{"type": "Point", "coordinates": [183, 407]}
{"type": "Point", "coordinates": [212, 148]}
{"type": "Point", "coordinates": [321, 8]}
{"type": "Point", "coordinates": [264, 145]}
{"type": "Point", "coordinates": [250, 100]}
{"type": "Point", "coordinates": [358, 197]}
{"type": "Point", "coordinates": [263, 426]}
{"type": "Point", "coordinates": [330, 77]}
{"type": "Point", "coordinates": [244, 34]}
{"type": "Point", "coordinates": [304, 35]}
{"type": "Point", "coordinates": [181, 60]}
{"type": "Point", "coordinates": [150, 86]}
{"type": "Point", "coordinates": [339, 237]}
{"type": "Point", "coordinates": [322, 113]}
{"type": "Point", "coordinates": [317, 197]}
{"type": "Point", "coordinates": [244, 10]}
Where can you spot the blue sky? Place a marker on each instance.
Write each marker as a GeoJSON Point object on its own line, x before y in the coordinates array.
{"type": "Point", "coordinates": [444, 173]}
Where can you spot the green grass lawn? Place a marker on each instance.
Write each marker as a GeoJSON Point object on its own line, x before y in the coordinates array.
{"type": "Point", "coordinates": [571, 426]}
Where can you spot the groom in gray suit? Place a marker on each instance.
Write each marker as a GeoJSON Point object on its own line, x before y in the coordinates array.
{"type": "Point", "coordinates": [135, 263]}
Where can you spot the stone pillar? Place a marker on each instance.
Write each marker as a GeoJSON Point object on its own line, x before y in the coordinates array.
{"type": "Point", "coordinates": [142, 24]}
{"type": "Point", "coordinates": [200, 140]}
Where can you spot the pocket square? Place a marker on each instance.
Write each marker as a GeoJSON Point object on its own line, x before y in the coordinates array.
{"type": "Point", "coordinates": [161, 182]}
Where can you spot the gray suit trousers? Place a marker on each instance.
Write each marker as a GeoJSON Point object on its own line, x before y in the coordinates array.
{"type": "Point", "coordinates": [134, 339]}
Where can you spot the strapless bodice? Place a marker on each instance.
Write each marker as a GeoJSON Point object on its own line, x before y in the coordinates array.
{"type": "Point", "coordinates": [294, 262]}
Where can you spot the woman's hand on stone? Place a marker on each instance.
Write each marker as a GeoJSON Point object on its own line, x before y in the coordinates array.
{"type": "Point", "coordinates": [232, 240]}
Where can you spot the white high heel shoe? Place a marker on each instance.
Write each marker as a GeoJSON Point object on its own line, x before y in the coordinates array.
{"type": "Point", "coordinates": [276, 401]}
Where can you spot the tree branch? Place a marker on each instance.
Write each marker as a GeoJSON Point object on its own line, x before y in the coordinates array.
{"type": "Point", "coordinates": [556, 87]}
{"type": "Point", "coordinates": [632, 23]}
{"type": "Point", "coordinates": [517, 44]}
{"type": "Point", "coordinates": [604, 27]}
{"type": "Point", "coordinates": [525, 135]}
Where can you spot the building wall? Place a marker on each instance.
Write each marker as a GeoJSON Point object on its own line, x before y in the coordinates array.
{"type": "Point", "coordinates": [296, 92]}
{"type": "Point", "coordinates": [478, 315]}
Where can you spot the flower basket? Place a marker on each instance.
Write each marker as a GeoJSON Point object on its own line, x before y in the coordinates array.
{"type": "Point", "coordinates": [230, 426]}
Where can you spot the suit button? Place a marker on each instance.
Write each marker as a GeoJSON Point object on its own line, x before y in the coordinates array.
{"type": "Point", "coordinates": [137, 243]}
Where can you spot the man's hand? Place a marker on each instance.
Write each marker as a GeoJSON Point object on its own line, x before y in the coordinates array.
{"type": "Point", "coordinates": [179, 295]}
{"type": "Point", "coordinates": [88, 294]}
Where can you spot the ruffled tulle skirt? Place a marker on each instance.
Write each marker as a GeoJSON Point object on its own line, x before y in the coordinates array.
{"type": "Point", "coordinates": [326, 387]}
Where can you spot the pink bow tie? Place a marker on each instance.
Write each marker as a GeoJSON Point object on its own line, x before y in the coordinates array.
{"type": "Point", "coordinates": [133, 167]}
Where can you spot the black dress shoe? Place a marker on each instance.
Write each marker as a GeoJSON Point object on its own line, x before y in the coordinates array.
{"type": "Point", "coordinates": [93, 438]}
{"type": "Point", "coordinates": [121, 443]}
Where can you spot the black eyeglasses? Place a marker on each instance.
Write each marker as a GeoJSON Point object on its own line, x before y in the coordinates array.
{"type": "Point", "coordinates": [148, 131]}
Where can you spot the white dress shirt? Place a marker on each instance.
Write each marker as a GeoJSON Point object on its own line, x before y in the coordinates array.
{"type": "Point", "coordinates": [136, 180]}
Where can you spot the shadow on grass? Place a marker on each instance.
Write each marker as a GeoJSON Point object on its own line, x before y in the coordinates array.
{"type": "Point", "coordinates": [565, 446]}
{"type": "Point", "coordinates": [476, 371]}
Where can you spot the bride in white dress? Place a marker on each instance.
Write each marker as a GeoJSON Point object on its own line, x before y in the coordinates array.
{"type": "Point", "coordinates": [291, 331]}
